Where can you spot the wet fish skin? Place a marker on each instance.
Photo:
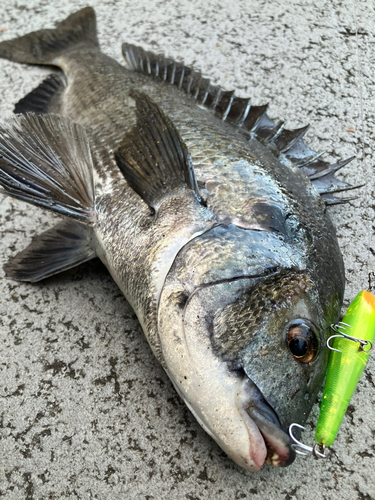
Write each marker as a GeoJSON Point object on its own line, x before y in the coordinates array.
{"type": "Point", "coordinates": [214, 284]}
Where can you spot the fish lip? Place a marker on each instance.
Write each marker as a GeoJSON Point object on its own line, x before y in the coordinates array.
{"type": "Point", "coordinates": [281, 452]}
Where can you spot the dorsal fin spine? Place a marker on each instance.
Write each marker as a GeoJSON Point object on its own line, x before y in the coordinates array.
{"type": "Point", "coordinates": [226, 112]}
{"type": "Point", "coordinates": [205, 96]}
{"type": "Point", "coordinates": [129, 57]}
{"type": "Point", "coordinates": [181, 78]}
{"type": "Point", "coordinates": [155, 69]}
{"type": "Point", "coordinates": [133, 61]}
{"type": "Point", "coordinates": [138, 63]}
{"type": "Point", "coordinates": [258, 118]}
{"type": "Point", "coordinates": [310, 160]}
{"type": "Point", "coordinates": [217, 96]}
{"type": "Point", "coordinates": [195, 95]}
{"type": "Point", "coordinates": [276, 132]}
{"type": "Point", "coordinates": [294, 136]}
{"type": "Point", "coordinates": [173, 70]}
{"type": "Point", "coordinates": [245, 113]}
{"type": "Point", "coordinates": [202, 90]}
{"type": "Point", "coordinates": [190, 82]}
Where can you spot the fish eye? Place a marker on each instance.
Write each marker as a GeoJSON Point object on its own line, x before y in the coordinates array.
{"type": "Point", "coordinates": [302, 340]}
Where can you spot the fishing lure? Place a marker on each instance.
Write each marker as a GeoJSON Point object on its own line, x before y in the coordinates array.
{"type": "Point", "coordinates": [352, 343]}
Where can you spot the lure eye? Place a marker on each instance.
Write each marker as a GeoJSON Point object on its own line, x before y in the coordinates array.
{"type": "Point", "coordinates": [302, 340]}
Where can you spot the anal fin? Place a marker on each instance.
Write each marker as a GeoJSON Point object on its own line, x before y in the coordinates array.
{"type": "Point", "coordinates": [64, 246]}
{"type": "Point", "coordinates": [46, 160]}
{"type": "Point", "coordinates": [44, 98]}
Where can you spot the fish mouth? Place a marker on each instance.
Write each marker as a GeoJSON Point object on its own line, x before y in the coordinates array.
{"type": "Point", "coordinates": [280, 452]}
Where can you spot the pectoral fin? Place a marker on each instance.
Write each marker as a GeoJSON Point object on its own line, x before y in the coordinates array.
{"type": "Point", "coordinates": [153, 158]}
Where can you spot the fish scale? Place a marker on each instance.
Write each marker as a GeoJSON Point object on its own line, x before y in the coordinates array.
{"type": "Point", "coordinates": [210, 217]}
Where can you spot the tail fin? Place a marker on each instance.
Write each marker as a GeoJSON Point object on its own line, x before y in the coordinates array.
{"type": "Point", "coordinates": [42, 47]}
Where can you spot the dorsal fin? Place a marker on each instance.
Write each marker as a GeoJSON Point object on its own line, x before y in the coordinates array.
{"type": "Point", "coordinates": [152, 157]}
{"type": "Point", "coordinates": [42, 99]}
{"type": "Point", "coordinates": [253, 120]}
{"type": "Point", "coordinates": [225, 104]}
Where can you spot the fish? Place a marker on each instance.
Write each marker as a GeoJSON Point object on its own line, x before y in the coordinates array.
{"type": "Point", "coordinates": [211, 218]}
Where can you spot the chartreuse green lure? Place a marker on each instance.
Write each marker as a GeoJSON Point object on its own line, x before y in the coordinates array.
{"type": "Point", "coordinates": [350, 351]}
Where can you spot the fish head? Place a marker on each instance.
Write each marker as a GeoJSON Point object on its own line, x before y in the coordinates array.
{"type": "Point", "coordinates": [246, 350]}
{"type": "Point", "coordinates": [275, 333]}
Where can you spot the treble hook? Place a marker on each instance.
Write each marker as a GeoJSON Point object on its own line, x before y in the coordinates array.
{"type": "Point", "coordinates": [370, 285]}
{"type": "Point", "coordinates": [340, 328]}
{"type": "Point", "coordinates": [317, 451]}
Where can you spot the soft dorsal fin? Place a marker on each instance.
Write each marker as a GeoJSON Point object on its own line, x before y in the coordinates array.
{"type": "Point", "coordinates": [153, 158]}
{"type": "Point", "coordinates": [253, 120]}
{"type": "Point", "coordinates": [43, 99]}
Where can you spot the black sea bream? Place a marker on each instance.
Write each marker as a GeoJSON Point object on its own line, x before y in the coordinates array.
{"type": "Point", "coordinates": [210, 217]}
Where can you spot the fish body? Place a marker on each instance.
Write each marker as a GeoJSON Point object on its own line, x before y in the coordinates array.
{"type": "Point", "coordinates": [210, 217]}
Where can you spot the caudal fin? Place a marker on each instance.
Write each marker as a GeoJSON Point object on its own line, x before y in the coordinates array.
{"type": "Point", "coordinates": [43, 46]}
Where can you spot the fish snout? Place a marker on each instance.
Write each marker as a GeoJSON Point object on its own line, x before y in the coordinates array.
{"type": "Point", "coordinates": [280, 452]}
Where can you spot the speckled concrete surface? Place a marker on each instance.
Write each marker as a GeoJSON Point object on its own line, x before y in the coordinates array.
{"type": "Point", "coordinates": [85, 410]}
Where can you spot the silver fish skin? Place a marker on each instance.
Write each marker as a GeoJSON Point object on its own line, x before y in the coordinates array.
{"type": "Point", "coordinates": [228, 257]}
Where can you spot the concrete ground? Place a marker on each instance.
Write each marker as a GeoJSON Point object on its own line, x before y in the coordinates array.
{"type": "Point", "coordinates": [86, 411]}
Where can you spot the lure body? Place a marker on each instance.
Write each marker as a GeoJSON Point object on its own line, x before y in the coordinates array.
{"type": "Point", "coordinates": [345, 368]}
